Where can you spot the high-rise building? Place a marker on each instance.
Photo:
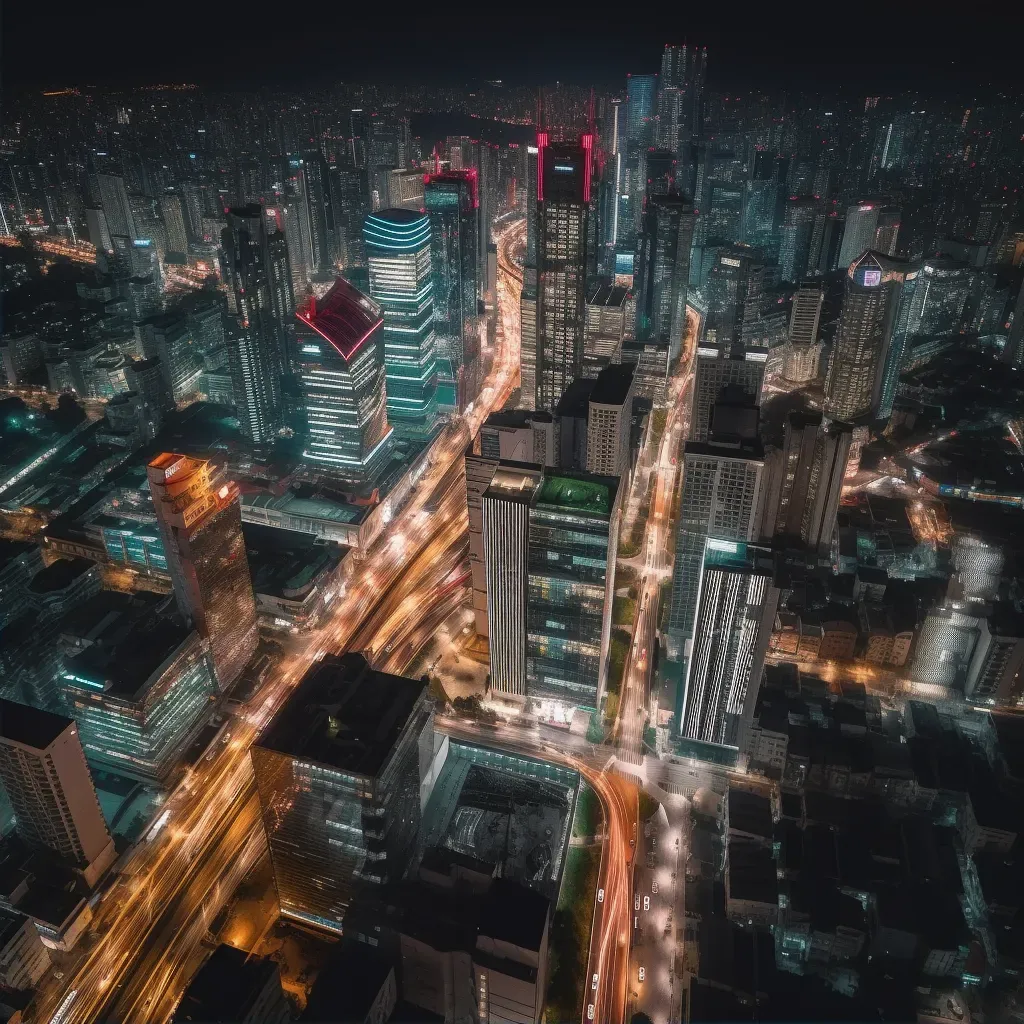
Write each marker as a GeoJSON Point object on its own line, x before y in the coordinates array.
{"type": "Point", "coordinates": [605, 328]}
{"type": "Point", "coordinates": [117, 209]}
{"type": "Point", "coordinates": [803, 351]}
{"type": "Point", "coordinates": [453, 207]}
{"type": "Point", "coordinates": [341, 369]}
{"type": "Point", "coordinates": [721, 498]}
{"type": "Point", "coordinates": [562, 202]}
{"type": "Point", "coordinates": [640, 109]}
{"type": "Point", "coordinates": [316, 187]}
{"type": "Point", "coordinates": [341, 775]}
{"type": "Point", "coordinates": [664, 270]}
{"type": "Point", "coordinates": [855, 386]}
{"type": "Point", "coordinates": [505, 516]}
{"type": "Point", "coordinates": [174, 223]}
{"type": "Point", "coordinates": [573, 540]}
{"type": "Point", "coordinates": [609, 423]}
{"type": "Point", "coordinates": [398, 252]}
{"type": "Point", "coordinates": [735, 284]}
{"type": "Point", "coordinates": [798, 220]}
{"type": "Point", "coordinates": [680, 88]}
{"type": "Point", "coordinates": [995, 674]}
{"type": "Point", "coordinates": [735, 613]}
{"type": "Point", "coordinates": [166, 337]}
{"type": "Point", "coordinates": [869, 225]}
{"type": "Point", "coordinates": [201, 524]}
{"type": "Point", "coordinates": [256, 270]}
{"type": "Point", "coordinates": [519, 435]}
{"type": "Point", "coordinates": [47, 780]}
{"type": "Point", "coordinates": [805, 481]}
{"type": "Point", "coordinates": [715, 370]}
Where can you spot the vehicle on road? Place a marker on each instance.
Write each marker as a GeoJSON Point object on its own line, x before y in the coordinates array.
{"type": "Point", "coordinates": [641, 974]}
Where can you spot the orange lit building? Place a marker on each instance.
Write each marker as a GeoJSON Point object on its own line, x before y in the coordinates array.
{"type": "Point", "coordinates": [201, 523]}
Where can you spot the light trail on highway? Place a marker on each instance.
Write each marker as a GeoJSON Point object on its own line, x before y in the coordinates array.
{"type": "Point", "coordinates": [212, 795]}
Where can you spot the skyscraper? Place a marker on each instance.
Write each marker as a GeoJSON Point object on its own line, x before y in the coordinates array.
{"type": "Point", "coordinates": [734, 287]}
{"type": "Point", "coordinates": [664, 270]}
{"type": "Point", "coordinates": [174, 223]}
{"type": "Point", "coordinates": [452, 206]}
{"type": "Point", "coordinates": [574, 524]}
{"type": "Point", "coordinates": [339, 776]}
{"type": "Point", "coordinates": [856, 373]}
{"type": "Point", "coordinates": [735, 613]}
{"type": "Point", "coordinates": [714, 370]}
{"type": "Point", "coordinates": [798, 220]}
{"type": "Point", "coordinates": [680, 89]}
{"type": "Point", "coordinates": [47, 780]}
{"type": "Point", "coordinates": [398, 251]}
{"type": "Point", "coordinates": [117, 209]}
{"type": "Point", "coordinates": [805, 481]}
{"type": "Point", "coordinates": [640, 109]}
{"type": "Point", "coordinates": [341, 368]}
{"type": "Point", "coordinates": [505, 510]}
{"type": "Point", "coordinates": [803, 351]}
{"type": "Point", "coordinates": [869, 225]}
{"type": "Point", "coordinates": [316, 188]}
{"type": "Point", "coordinates": [563, 199]}
{"type": "Point", "coordinates": [256, 271]}
{"type": "Point", "coordinates": [721, 498]}
{"type": "Point", "coordinates": [201, 525]}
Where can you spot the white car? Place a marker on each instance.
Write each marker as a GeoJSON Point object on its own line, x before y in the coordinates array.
{"type": "Point", "coordinates": [593, 984]}
{"type": "Point", "coordinates": [647, 903]}
{"type": "Point", "coordinates": [590, 1012]}
{"type": "Point", "coordinates": [636, 902]}
{"type": "Point", "coordinates": [600, 895]}
{"type": "Point", "coordinates": [642, 974]}
{"type": "Point", "coordinates": [654, 887]}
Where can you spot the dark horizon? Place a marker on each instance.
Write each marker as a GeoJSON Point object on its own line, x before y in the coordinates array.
{"type": "Point", "coordinates": [796, 54]}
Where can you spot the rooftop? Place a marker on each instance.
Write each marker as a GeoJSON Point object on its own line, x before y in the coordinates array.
{"type": "Point", "coordinates": [226, 987]}
{"type": "Point", "coordinates": [344, 317]}
{"type": "Point", "coordinates": [30, 726]}
{"type": "Point", "coordinates": [515, 481]}
{"type": "Point", "coordinates": [311, 508]}
{"type": "Point", "coordinates": [607, 295]}
{"type": "Point", "coordinates": [512, 913]}
{"type": "Point", "coordinates": [580, 492]}
{"type": "Point", "coordinates": [345, 715]}
{"type": "Point", "coordinates": [613, 384]}
{"type": "Point", "coordinates": [59, 575]}
{"type": "Point", "coordinates": [347, 985]}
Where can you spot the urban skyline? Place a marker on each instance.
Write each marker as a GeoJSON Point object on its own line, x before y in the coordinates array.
{"type": "Point", "coordinates": [510, 518]}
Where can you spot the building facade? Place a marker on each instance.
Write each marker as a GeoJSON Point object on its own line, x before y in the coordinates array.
{"type": "Point", "coordinates": [201, 523]}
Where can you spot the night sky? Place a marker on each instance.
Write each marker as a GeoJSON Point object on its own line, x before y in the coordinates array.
{"type": "Point", "coordinates": [876, 47]}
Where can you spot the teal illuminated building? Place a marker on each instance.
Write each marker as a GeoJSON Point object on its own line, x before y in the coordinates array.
{"type": "Point", "coordinates": [453, 208]}
{"type": "Point", "coordinates": [138, 682]}
{"type": "Point", "coordinates": [398, 249]}
{"type": "Point", "coordinates": [573, 539]}
{"type": "Point", "coordinates": [132, 543]}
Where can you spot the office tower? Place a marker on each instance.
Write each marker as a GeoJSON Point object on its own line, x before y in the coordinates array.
{"type": "Point", "coordinates": [661, 173]}
{"type": "Point", "coordinates": [857, 372]}
{"type": "Point", "coordinates": [640, 109]}
{"type": "Point", "coordinates": [295, 223]}
{"type": "Point", "coordinates": [995, 674]}
{"type": "Point", "coordinates": [358, 137]}
{"type": "Point", "coordinates": [937, 309]}
{"type": "Point", "coordinates": [721, 499]}
{"type": "Point", "coordinates": [528, 340]}
{"type": "Point", "coordinates": [805, 481]}
{"type": "Point", "coordinates": [166, 337]}
{"type": "Point", "coordinates": [146, 378]}
{"type": "Point", "coordinates": [803, 352]}
{"type": "Point", "coordinates": [398, 252]}
{"type": "Point", "coordinates": [713, 371]}
{"type": "Point", "coordinates": [137, 681]}
{"type": "Point", "coordinates": [735, 613]}
{"type": "Point", "coordinates": [47, 780]}
{"type": "Point", "coordinates": [253, 271]}
{"type": "Point", "coordinates": [519, 435]}
{"type": "Point", "coordinates": [562, 203]}
{"type": "Point", "coordinates": [97, 230]}
{"type": "Point", "coordinates": [316, 187]}
{"type": "Point", "coordinates": [350, 202]}
{"type": "Point", "coordinates": [532, 194]}
{"type": "Point", "coordinates": [826, 240]}
{"type": "Point", "coordinates": [201, 525]}
{"type": "Point", "coordinates": [798, 220]}
{"type": "Point", "coordinates": [117, 209]}
{"type": "Point", "coordinates": [573, 540]}
{"type": "Point", "coordinates": [978, 565]}
{"type": "Point", "coordinates": [734, 288]}
{"type": "Point", "coordinates": [174, 223]}
{"type": "Point", "coordinates": [405, 190]}
{"type": "Point", "coordinates": [339, 776]}
{"type": "Point", "coordinates": [505, 518]}
{"type": "Point", "coordinates": [235, 985]}
{"type": "Point", "coordinates": [605, 327]}
{"type": "Point", "coordinates": [664, 271]}
{"type": "Point", "coordinates": [869, 225]}
{"type": "Point", "coordinates": [452, 207]}
{"type": "Point", "coordinates": [609, 423]}
{"type": "Point", "coordinates": [341, 369]}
